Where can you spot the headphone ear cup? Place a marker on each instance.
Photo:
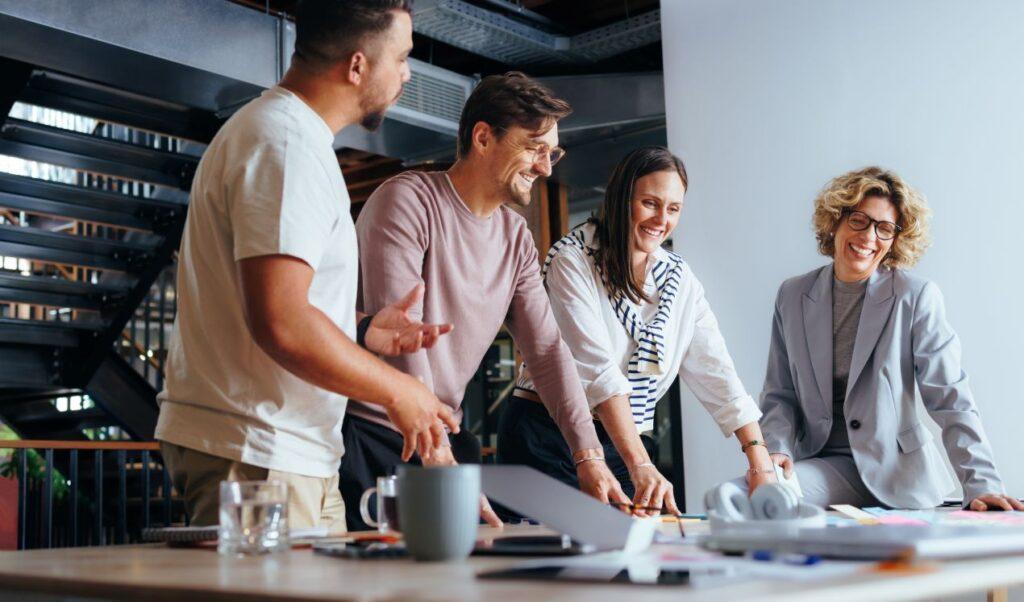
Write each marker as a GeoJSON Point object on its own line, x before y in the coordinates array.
{"type": "Point", "coordinates": [794, 499]}
{"type": "Point", "coordinates": [774, 501]}
{"type": "Point", "coordinates": [729, 501]}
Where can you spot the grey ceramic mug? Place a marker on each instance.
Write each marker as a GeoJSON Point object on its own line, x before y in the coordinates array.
{"type": "Point", "coordinates": [439, 510]}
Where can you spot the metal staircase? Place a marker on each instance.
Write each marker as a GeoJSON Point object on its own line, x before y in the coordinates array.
{"type": "Point", "coordinates": [87, 242]}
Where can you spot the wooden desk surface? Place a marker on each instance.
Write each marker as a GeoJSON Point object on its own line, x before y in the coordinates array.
{"type": "Point", "coordinates": [155, 572]}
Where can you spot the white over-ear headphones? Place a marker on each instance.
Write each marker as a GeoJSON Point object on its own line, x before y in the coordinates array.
{"type": "Point", "coordinates": [729, 501]}
{"type": "Point", "coordinates": [771, 501]}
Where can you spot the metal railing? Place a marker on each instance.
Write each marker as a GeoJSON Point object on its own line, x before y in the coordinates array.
{"type": "Point", "coordinates": [148, 328]}
{"type": "Point", "coordinates": [145, 338]}
{"type": "Point", "coordinates": [74, 493]}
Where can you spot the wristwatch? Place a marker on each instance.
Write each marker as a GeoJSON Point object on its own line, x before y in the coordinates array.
{"type": "Point", "coordinates": [361, 329]}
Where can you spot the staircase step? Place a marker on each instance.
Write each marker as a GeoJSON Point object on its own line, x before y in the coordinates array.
{"type": "Point", "coordinates": [48, 144]}
{"type": "Point", "coordinates": [46, 333]}
{"type": "Point", "coordinates": [57, 292]}
{"type": "Point", "coordinates": [43, 245]}
{"type": "Point", "coordinates": [41, 355]}
{"type": "Point", "coordinates": [25, 372]}
{"type": "Point", "coordinates": [65, 93]}
{"type": "Point", "coordinates": [89, 204]}
{"type": "Point", "coordinates": [44, 411]}
{"type": "Point", "coordinates": [164, 199]}
{"type": "Point", "coordinates": [41, 420]}
{"type": "Point", "coordinates": [11, 396]}
{"type": "Point", "coordinates": [125, 395]}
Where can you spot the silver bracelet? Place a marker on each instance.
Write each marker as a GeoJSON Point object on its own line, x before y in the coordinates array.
{"type": "Point", "coordinates": [641, 465]}
{"type": "Point", "coordinates": [587, 455]}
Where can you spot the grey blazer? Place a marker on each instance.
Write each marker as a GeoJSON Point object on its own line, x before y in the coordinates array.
{"type": "Point", "coordinates": [904, 346]}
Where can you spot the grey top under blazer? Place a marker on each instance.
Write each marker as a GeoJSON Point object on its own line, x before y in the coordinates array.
{"type": "Point", "coordinates": [904, 345]}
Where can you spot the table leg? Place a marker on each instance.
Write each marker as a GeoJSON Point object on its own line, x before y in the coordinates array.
{"type": "Point", "coordinates": [1000, 594]}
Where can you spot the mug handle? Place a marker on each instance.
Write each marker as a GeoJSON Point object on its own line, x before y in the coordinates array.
{"type": "Point", "coordinates": [364, 507]}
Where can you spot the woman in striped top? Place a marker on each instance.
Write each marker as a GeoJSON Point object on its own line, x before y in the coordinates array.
{"type": "Point", "coordinates": [634, 317]}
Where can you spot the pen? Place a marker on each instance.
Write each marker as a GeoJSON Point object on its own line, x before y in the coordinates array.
{"type": "Point", "coordinates": [635, 507]}
{"type": "Point", "coordinates": [796, 559]}
{"type": "Point", "coordinates": [376, 538]}
{"type": "Point", "coordinates": [654, 509]}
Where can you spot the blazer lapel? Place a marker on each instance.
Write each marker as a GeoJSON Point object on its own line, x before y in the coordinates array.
{"type": "Point", "coordinates": [879, 300]}
{"type": "Point", "coordinates": [817, 308]}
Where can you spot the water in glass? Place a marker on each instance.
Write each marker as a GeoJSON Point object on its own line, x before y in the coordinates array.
{"type": "Point", "coordinates": [253, 517]}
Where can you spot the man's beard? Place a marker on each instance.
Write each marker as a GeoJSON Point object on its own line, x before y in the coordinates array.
{"type": "Point", "coordinates": [374, 117]}
{"type": "Point", "coordinates": [517, 198]}
{"type": "Point", "coordinates": [372, 121]}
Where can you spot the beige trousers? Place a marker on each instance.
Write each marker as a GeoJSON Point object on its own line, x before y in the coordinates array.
{"type": "Point", "coordinates": [312, 501]}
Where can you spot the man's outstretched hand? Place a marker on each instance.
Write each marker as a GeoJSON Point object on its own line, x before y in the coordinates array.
{"type": "Point", "coordinates": [394, 332]}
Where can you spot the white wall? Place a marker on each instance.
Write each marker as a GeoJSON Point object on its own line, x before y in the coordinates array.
{"type": "Point", "coordinates": [767, 100]}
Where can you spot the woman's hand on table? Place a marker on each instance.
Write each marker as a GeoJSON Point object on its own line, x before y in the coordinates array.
{"type": "Point", "coordinates": [598, 482]}
{"type": "Point", "coordinates": [653, 490]}
{"type": "Point", "coordinates": [762, 467]}
{"type": "Point", "coordinates": [785, 462]}
{"type": "Point", "coordinates": [995, 501]}
{"type": "Point", "coordinates": [761, 477]}
{"type": "Point", "coordinates": [761, 464]}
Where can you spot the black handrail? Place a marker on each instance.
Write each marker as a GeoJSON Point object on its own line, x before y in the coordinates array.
{"type": "Point", "coordinates": [51, 499]}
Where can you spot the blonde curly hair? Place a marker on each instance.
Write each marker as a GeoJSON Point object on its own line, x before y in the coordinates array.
{"type": "Point", "coordinates": [849, 189]}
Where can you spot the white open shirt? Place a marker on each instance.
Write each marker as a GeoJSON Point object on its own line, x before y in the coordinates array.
{"type": "Point", "coordinates": [694, 347]}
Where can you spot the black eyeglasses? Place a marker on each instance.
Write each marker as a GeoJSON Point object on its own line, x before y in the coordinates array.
{"type": "Point", "coordinates": [858, 220]}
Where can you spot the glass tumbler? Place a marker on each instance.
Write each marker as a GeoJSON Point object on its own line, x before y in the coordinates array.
{"type": "Point", "coordinates": [253, 517]}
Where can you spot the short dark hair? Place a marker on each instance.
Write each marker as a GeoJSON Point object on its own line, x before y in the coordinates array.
{"type": "Point", "coordinates": [503, 101]}
{"type": "Point", "coordinates": [613, 225]}
{"type": "Point", "coordinates": [330, 31]}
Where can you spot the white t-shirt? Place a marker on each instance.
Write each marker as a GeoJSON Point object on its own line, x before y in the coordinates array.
{"type": "Point", "coordinates": [268, 184]}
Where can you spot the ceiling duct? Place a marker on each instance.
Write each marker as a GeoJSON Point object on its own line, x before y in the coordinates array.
{"type": "Point", "coordinates": [214, 56]}
{"type": "Point", "coordinates": [423, 124]}
{"type": "Point", "coordinates": [497, 37]}
{"type": "Point", "coordinates": [612, 114]}
{"type": "Point", "coordinates": [210, 55]}
{"type": "Point", "coordinates": [433, 98]}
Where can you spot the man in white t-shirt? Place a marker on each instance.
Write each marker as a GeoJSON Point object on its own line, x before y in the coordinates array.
{"type": "Point", "coordinates": [264, 355]}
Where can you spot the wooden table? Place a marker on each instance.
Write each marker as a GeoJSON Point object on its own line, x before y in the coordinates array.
{"type": "Point", "coordinates": [155, 572]}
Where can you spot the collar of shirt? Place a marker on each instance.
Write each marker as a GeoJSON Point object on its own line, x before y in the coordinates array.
{"type": "Point", "coordinates": [306, 113]}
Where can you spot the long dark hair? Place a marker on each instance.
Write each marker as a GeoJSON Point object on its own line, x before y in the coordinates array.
{"type": "Point", "coordinates": [613, 224]}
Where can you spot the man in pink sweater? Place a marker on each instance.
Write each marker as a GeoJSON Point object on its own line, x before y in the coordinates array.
{"type": "Point", "coordinates": [452, 231]}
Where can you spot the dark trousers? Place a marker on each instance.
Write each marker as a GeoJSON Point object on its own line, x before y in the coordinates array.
{"type": "Point", "coordinates": [372, 451]}
{"type": "Point", "coordinates": [527, 435]}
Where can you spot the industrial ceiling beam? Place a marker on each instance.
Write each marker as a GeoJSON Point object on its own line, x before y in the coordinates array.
{"type": "Point", "coordinates": [206, 54]}
{"type": "Point", "coordinates": [507, 40]}
{"type": "Point", "coordinates": [211, 55]}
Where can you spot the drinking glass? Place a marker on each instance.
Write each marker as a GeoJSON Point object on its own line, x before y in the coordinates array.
{"type": "Point", "coordinates": [253, 517]}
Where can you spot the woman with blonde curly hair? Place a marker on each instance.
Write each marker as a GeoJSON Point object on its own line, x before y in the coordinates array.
{"type": "Point", "coordinates": [853, 343]}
